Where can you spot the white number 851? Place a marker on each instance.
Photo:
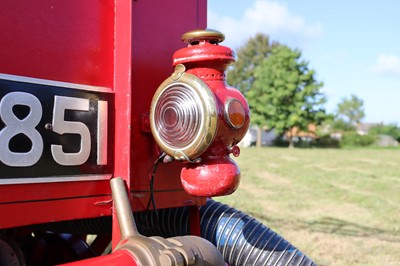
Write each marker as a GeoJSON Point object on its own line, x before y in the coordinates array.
{"type": "Point", "coordinates": [27, 126]}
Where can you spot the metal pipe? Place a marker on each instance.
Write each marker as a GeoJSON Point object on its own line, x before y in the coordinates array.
{"type": "Point", "coordinates": [126, 221]}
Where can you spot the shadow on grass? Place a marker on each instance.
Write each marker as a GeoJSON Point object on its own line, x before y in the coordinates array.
{"type": "Point", "coordinates": [340, 227]}
{"type": "Point", "coordinates": [330, 225]}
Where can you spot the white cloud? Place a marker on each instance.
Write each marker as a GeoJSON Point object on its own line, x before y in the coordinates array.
{"type": "Point", "coordinates": [269, 17]}
{"type": "Point", "coordinates": [387, 64]}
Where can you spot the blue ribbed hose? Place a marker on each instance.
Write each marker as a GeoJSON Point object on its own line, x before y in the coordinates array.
{"type": "Point", "coordinates": [242, 240]}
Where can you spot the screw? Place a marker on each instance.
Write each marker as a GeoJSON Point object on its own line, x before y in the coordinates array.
{"type": "Point", "coordinates": [48, 126]}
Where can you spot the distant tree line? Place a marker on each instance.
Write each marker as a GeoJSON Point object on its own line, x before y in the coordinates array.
{"type": "Point", "coordinates": [347, 120]}
{"type": "Point", "coordinates": [283, 94]}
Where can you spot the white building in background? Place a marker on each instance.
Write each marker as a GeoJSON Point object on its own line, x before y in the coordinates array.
{"type": "Point", "coordinates": [364, 128]}
{"type": "Point", "coordinates": [250, 139]}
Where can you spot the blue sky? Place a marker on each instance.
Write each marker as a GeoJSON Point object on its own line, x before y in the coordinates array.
{"type": "Point", "coordinates": [354, 46]}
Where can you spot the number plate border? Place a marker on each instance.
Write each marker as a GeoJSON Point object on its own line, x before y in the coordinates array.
{"type": "Point", "coordinates": [55, 83]}
{"type": "Point", "coordinates": [55, 178]}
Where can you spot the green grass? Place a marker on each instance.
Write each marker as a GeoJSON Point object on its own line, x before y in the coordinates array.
{"type": "Point", "coordinates": [339, 206]}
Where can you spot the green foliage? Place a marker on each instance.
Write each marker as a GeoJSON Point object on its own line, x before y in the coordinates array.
{"type": "Point", "coordinates": [327, 142]}
{"type": "Point", "coordinates": [353, 139]}
{"type": "Point", "coordinates": [241, 76]}
{"type": "Point", "coordinates": [324, 141]}
{"type": "Point", "coordinates": [285, 93]}
{"type": "Point", "coordinates": [349, 113]}
{"type": "Point", "coordinates": [391, 130]}
{"type": "Point", "coordinates": [351, 109]}
{"type": "Point", "coordinates": [341, 125]}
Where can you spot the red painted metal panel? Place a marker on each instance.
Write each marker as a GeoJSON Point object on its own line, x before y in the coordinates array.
{"type": "Point", "coordinates": [50, 210]}
{"type": "Point", "coordinates": [36, 192]}
{"type": "Point", "coordinates": [70, 41]}
{"type": "Point", "coordinates": [118, 258]}
{"type": "Point", "coordinates": [122, 83]}
{"type": "Point", "coordinates": [157, 28]}
{"type": "Point", "coordinates": [123, 45]}
{"type": "Point", "coordinates": [67, 40]}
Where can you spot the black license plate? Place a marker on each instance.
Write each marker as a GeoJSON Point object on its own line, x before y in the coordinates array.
{"type": "Point", "coordinates": [54, 131]}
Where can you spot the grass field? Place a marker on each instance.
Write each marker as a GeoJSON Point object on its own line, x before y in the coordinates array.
{"type": "Point", "coordinates": [339, 206]}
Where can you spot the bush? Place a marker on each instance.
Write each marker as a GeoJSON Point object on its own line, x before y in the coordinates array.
{"type": "Point", "coordinates": [327, 142]}
{"type": "Point", "coordinates": [280, 142]}
{"type": "Point", "coordinates": [355, 140]}
{"type": "Point", "coordinates": [391, 130]}
{"type": "Point", "coordinates": [322, 142]}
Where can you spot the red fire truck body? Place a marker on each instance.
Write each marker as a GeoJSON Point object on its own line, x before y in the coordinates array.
{"type": "Point", "coordinates": [77, 81]}
{"type": "Point", "coordinates": [122, 49]}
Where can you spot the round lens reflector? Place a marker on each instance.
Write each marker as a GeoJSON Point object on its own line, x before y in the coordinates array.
{"type": "Point", "coordinates": [183, 115]}
{"type": "Point", "coordinates": [178, 116]}
{"type": "Point", "coordinates": [235, 113]}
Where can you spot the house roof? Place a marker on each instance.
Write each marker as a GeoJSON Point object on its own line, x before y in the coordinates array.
{"type": "Point", "coordinates": [365, 127]}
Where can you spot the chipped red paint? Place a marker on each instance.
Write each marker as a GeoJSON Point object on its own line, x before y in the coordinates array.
{"type": "Point", "coordinates": [213, 177]}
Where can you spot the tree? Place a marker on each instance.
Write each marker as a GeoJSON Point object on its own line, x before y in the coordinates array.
{"type": "Point", "coordinates": [339, 124]}
{"type": "Point", "coordinates": [285, 93]}
{"type": "Point", "coordinates": [241, 76]}
{"type": "Point", "coordinates": [351, 110]}
{"type": "Point", "coordinates": [390, 129]}
{"type": "Point", "coordinates": [256, 49]}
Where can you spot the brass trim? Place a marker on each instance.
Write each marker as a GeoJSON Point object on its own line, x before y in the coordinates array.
{"type": "Point", "coordinates": [208, 130]}
{"type": "Point", "coordinates": [200, 34]}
